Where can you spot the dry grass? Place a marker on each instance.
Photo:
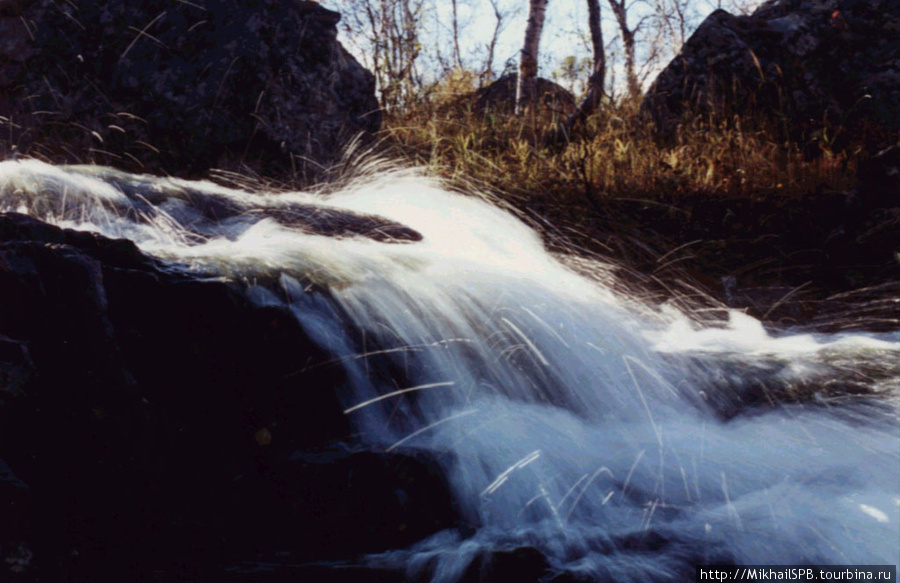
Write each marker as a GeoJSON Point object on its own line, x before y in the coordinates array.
{"type": "Point", "coordinates": [716, 202]}
{"type": "Point", "coordinates": [614, 157]}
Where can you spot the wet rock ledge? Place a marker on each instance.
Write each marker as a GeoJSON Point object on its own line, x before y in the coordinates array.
{"type": "Point", "coordinates": [156, 426]}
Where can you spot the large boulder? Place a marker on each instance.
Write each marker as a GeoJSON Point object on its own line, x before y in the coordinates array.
{"type": "Point", "coordinates": [181, 87]}
{"type": "Point", "coordinates": [803, 65]}
{"type": "Point", "coordinates": [159, 425]}
{"type": "Point", "coordinates": [500, 96]}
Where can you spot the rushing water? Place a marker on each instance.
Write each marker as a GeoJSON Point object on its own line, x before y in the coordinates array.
{"type": "Point", "coordinates": [569, 417]}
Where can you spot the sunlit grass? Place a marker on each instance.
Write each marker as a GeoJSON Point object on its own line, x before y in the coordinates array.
{"type": "Point", "coordinates": [615, 156]}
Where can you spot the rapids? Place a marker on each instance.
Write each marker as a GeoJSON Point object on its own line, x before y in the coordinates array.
{"type": "Point", "coordinates": [567, 416]}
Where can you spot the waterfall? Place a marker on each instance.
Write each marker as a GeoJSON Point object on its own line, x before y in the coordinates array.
{"type": "Point", "coordinates": [567, 415]}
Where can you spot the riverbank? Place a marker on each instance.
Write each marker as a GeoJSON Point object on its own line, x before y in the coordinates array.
{"type": "Point", "coordinates": [791, 233]}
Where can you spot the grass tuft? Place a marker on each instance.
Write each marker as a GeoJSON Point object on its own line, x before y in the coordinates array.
{"type": "Point", "coordinates": [616, 155]}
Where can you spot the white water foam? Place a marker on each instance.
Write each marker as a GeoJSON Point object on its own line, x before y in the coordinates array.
{"type": "Point", "coordinates": [569, 418]}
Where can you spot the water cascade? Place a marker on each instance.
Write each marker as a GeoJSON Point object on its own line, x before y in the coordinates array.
{"type": "Point", "coordinates": [612, 436]}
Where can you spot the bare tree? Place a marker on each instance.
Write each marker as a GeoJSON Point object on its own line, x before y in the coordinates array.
{"type": "Point", "coordinates": [528, 58]}
{"type": "Point", "coordinates": [487, 72]}
{"type": "Point", "coordinates": [735, 6]}
{"type": "Point", "coordinates": [628, 34]}
{"type": "Point", "coordinates": [596, 83]}
{"type": "Point", "coordinates": [598, 75]}
{"type": "Point", "coordinates": [457, 54]}
{"type": "Point", "coordinates": [387, 34]}
{"type": "Point", "coordinates": [677, 18]}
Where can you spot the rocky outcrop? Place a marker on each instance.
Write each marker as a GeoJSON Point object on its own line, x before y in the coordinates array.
{"type": "Point", "coordinates": [823, 71]}
{"type": "Point", "coordinates": [181, 87]}
{"type": "Point", "coordinates": [159, 425]}
{"type": "Point", "coordinates": [500, 96]}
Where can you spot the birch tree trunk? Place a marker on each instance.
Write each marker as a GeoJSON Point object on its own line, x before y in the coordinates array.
{"type": "Point", "coordinates": [620, 10]}
{"type": "Point", "coordinates": [457, 54]}
{"type": "Point", "coordinates": [487, 73]}
{"type": "Point", "coordinates": [528, 60]}
{"type": "Point", "coordinates": [597, 81]}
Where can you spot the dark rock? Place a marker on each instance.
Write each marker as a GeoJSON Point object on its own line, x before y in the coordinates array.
{"type": "Point", "coordinates": [341, 223]}
{"type": "Point", "coordinates": [181, 87]}
{"type": "Point", "coordinates": [16, 367]}
{"type": "Point", "coordinates": [278, 572]}
{"type": "Point", "coordinates": [348, 502]}
{"type": "Point", "coordinates": [500, 96]}
{"type": "Point", "coordinates": [879, 179]}
{"type": "Point", "coordinates": [13, 508]}
{"type": "Point", "coordinates": [808, 67]}
{"type": "Point", "coordinates": [11, 7]}
{"type": "Point", "coordinates": [522, 564]}
{"type": "Point", "coordinates": [166, 425]}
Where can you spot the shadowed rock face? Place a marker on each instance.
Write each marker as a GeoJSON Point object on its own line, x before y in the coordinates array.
{"type": "Point", "coordinates": [798, 62]}
{"type": "Point", "coordinates": [159, 425]}
{"type": "Point", "coordinates": [500, 96]}
{"type": "Point", "coordinates": [181, 87]}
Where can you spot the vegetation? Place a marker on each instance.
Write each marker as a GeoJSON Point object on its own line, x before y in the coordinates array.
{"type": "Point", "coordinates": [569, 167]}
{"type": "Point", "coordinates": [612, 157]}
{"type": "Point", "coordinates": [731, 200]}
{"type": "Point", "coordinates": [717, 203]}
